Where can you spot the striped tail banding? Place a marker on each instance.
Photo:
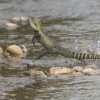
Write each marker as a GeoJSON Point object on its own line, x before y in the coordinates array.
{"type": "Point", "coordinates": [83, 56]}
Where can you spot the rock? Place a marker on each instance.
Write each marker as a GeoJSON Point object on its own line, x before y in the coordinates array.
{"type": "Point", "coordinates": [38, 64]}
{"type": "Point", "coordinates": [35, 73]}
{"type": "Point", "coordinates": [32, 72]}
{"type": "Point", "coordinates": [77, 69]}
{"type": "Point", "coordinates": [8, 25]}
{"type": "Point", "coordinates": [1, 51]}
{"type": "Point", "coordinates": [60, 56]}
{"type": "Point", "coordinates": [95, 72]}
{"type": "Point", "coordinates": [31, 64]}
{"type": "Point", "coordinates": [98, 52]}
{"type": "Point", "coordinates": [39, 74]}
{"type": "Point", "coordinates": [14, 49]}
{"type": "Point", "coordinates": [23, 19]}
{"type": "Point", "coordinates": [11, 24]}
{"type": "Point", "coordinates": [16, 19]}
{"type": "Point", "coordinates": [7, 54]}
{"type": "Point", "coordinates": [4, 21]}
{"type": "Point", "coordinates": [60, 70]}
{"type": "Point", "coordinates": [93, 66]}
{"type": "Point", "coordinates": [90, 51]}
{"type": "Point", "coordinates": [82, 43]}
{"type": "Point", "coordinates": [24, 49]}
{"type": "Point", "coordinates": [8, 94]}
{"type": "Point", "coordinates": [86, 71]}
{"type": "Point", "coordinates": [84, 51]}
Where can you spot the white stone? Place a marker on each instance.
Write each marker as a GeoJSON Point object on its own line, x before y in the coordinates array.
{"type": "Point", "coordinates": [60, 70]}
{"type": "Point", "coordinates": [14, 49]}
{"type": "Point", "coordinates": [24, 19]}
{"type": "Point", "coordinates": [16, 19]}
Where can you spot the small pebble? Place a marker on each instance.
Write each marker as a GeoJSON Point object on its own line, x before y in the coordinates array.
{"type": "Point", "coordinates": [7, 54]}
{"type": "Point", "coordinates": [98, 52]}
{"type": "Point", "coordinates": [90, 51]}
{"type": "Point", "coordinates": [83, 51]}
{"type": "Point", "coordinates": [11, 25]}
{"type": "Point", "coordinates": [8, 25]}
{"type": "Point", "coordinates": [60, 56]}
{"type": "Point", "coordinates": [77, 69]}
{"type": "Point", "coordinates": [37, 64]}
{"type": "Point", "coordinates": [82, 43]}
{"type": "Point", "coordinates": [95, 72]}
{"type": "Point", "coordinates": [60, 70]}
{"type": "Point", "coordinates": [16, 19]}
{"type": "Point", "coordinates": [14, 49]}
{"type": "Point", "coordinates": [86, 71]}
{"type": "Point", "coordinates": [1, 51]}
{"type": "Point", "coordinates": [31, 65]}
{"type": "Point", "coordinates": [33, 72]}
{"type": "Point", "coordinates": [4, 21]}
{"type": "Point", "coordinates": [23, 19]}
{"type": "Point", "coordinates": [8, 94]}
{"type": "Point", "coordinates": [93, 66]}
{"type": "Point", "coordinates": [24, 49]}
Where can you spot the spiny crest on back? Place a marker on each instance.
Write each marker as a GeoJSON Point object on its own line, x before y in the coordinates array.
{"type": "Point", "coordinates": [35, 24]}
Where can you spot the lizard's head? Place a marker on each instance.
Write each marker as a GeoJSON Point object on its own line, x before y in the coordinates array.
{"type": "Point", "coordinates": [35, 23]}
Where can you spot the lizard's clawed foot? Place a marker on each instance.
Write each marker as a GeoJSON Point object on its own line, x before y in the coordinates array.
{"type": "Point", "coordinates": [35, 36]}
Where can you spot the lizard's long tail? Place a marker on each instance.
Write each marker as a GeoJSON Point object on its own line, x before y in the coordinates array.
{"type": "Point", "coordinates": [70, 54]}
{"type": "Point", "coordinates": [82, 56]}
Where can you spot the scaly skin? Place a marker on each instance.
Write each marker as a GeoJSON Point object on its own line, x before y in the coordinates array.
{"type": "Point", "coordinates": [51, 47]}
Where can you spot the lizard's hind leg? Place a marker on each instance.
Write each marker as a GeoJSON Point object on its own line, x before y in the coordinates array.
{"type": "Point", "coordinates": [42, 54]}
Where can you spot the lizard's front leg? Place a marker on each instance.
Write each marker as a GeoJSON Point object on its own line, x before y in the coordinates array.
{"type": "Point", "coordinates": [35, 36]}
{"type": "Point", "coordinates": [42, 54]}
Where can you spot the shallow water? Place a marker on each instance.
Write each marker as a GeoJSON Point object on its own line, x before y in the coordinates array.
{"type": "Point", "coordinates": [68, 22]}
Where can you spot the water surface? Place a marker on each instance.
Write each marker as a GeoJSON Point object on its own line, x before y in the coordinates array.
{"type": "Point", "coordinates": [68, 22]}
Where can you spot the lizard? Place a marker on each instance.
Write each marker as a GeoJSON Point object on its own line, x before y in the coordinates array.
{"type": "Point", "coordinates": [53, 48]}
